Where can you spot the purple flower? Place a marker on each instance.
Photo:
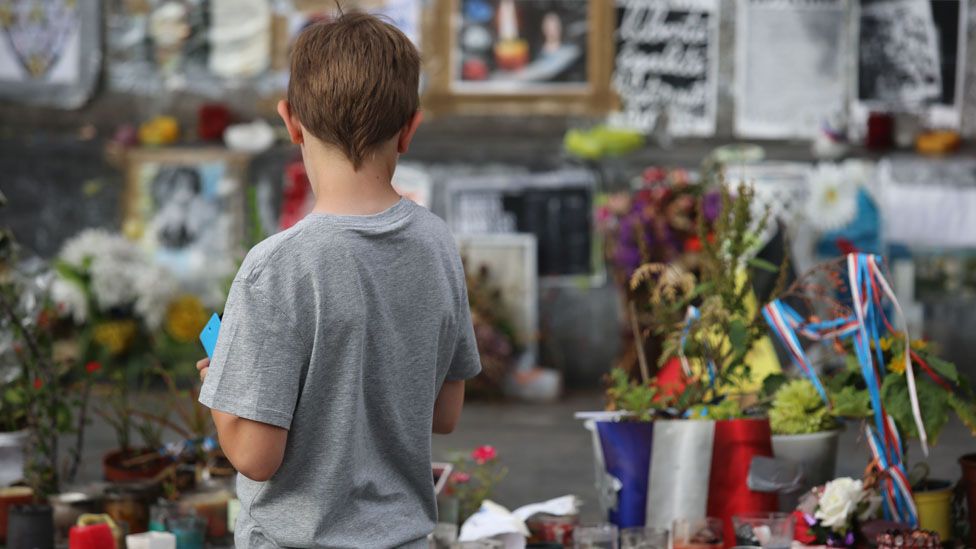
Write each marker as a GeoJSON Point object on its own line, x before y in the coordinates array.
{"type": "Point", "coordinates": [711, 205]}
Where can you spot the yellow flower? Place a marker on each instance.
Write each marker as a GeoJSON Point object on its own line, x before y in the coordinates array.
{"type": "Point", "coordinates": [115, 335]}
{"type": "Point", "coordinates": [885, 343]}
{"type": "Point", "coordinates": [920, 344]}
{"type": "Point", "coordinates": [185, 318]}
{"type": "Point", "coordinates": [897, 364]}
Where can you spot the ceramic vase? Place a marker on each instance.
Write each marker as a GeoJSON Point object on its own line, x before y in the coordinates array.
{"type": "Point", "coordinates": [815, 454]}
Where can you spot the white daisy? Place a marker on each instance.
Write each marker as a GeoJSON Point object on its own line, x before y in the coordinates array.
{"type": "Point", "coordinates": [833, 196]}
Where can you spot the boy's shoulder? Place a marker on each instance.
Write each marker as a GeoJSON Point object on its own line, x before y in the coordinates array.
{"type": "Point", "coordinates": [271, 251]}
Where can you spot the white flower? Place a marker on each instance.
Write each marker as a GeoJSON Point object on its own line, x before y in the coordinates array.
{"type": "Point", "coordinates": [155, 289]}
{"type": "Point", "coordinates": [833, 196]}
{"type": "Point", "coordinates": [71, 299]}
{"type": "Point", "coordinates": [839, 502]}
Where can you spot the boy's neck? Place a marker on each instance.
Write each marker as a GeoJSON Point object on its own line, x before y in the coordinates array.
{"type": "Point", "coordinates": [342, 190]}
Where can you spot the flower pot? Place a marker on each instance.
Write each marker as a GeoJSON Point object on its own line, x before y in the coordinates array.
{"type": "Point", "coordinates": [968, 464]}
{"type": "Point", "coordinates": [30, 527]}
{"type": "Point", "coordinates": [816, 456]}
{"type": "Point", "coordinates": [737, 441]}
{"type": "Point", "coordinates": [934, 502]}
{"type": "Point", "coordinates": [12, 456]}
{"type": "Point", "coordinates": [68, 507]}
{"type": "Point", "coordinates": [129, 503]}
{"type": "Point", "coordinates": [626, 449]}
{"type": "Point", "coordinates": [680, 463]}
{"type": "Point", "coordinates": [115, 469]}
{"type": "Point", "coordinates": [15, 495]}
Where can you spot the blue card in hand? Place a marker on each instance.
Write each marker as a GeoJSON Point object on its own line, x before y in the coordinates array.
{"type": "Point", "coordinates": [209, 335]}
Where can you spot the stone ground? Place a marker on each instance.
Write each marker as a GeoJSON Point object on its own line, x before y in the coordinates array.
{"type": "Point", "coordinates": [549, 453]}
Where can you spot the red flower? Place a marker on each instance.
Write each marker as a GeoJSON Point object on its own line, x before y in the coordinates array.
{"type": "Point", "coordinates": [693, 244]}
{"type": "Point", "coordinates": [801, 532]}
{"type": "Point", "coordinates": [38, 384]}
{"type": "Point", "coordinates": [93, 367]}
{"type": "Point", "coordinates": [460, 478]}
{"type": "Point", "coordinates": [483, 454]}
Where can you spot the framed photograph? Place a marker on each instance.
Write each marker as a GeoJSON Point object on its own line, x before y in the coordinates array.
{"type": "Point", "coordinates": [519, 56]}
{"type": "Point", "coordinates": [50, 52]}
{"type": "Point", "coordinates": [511, 259]}
{"type": "Point", "coordinates": [911, 56]}
{"type": "Point", "coordinates": [186, 208]}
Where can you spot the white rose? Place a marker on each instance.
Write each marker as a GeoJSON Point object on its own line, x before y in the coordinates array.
{"type": "Point", "coordinates": [838, 502]}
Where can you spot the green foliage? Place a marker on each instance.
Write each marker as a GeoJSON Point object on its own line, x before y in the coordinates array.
{"type": "Point", "coordinates": [850, 402]}
{"type": "Point", "coordinates": [932, 401]}
{"type": "Point", "coordinates": [798, 409]}
{"type": "Point", "coordinates": [473, 481]}
{"type": "Point", "coordinates": [630, 396]}
{"type": "Point", "coordinates": [729, 408]}
{"type": "Point", "coordinates": [730, 324]}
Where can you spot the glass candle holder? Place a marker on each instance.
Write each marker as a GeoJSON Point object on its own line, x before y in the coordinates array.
{"type": "Point", "coordinates": [643, 538]}
{"type": "Point", "coordinates": [770, 530]}
{"type": "Point", "coordinates": [697, 533]}
{"type": "Point", "coordinates": [599, 536]}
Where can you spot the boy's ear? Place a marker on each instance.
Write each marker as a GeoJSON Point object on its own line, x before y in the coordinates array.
{"type": "Point", "coordinates": [406, 135]}
{"type": "Point", "coordinates": [291, 123]}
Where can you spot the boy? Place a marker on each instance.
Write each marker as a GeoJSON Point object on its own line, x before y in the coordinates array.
{"type": "Point", "coordinates": [346, 339]}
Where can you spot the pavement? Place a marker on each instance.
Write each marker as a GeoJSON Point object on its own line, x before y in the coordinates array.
{"type": "Point", "coordinates": [548, 453]}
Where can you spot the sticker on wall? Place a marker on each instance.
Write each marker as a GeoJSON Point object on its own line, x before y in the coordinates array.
{"type": "Point", "coordinates": [666, 71]}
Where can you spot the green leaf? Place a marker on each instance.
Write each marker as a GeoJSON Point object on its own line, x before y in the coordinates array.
{"type": "Point", "coordinates": [772, 383]}
{"type": "Point", "coordinates": [943, 368]}
{"type": "Point", "coordinates": [965, 410]}
{"type": "Point", "coordinates": [932, 401]}
{"type": "Point", "coordinates": [851, 403]}
{"type": "Point", "coordinates": [762, 265]}
{"type": "Point", "coordinates": [738, 335]}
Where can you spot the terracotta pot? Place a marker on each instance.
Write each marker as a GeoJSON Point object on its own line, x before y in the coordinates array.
{"type": "Point", "coordinates": [968, 464]}
{"type": "Point", "coordinates": [934, 502]}
{"type": "Point", "coordinates": [12, 456]}
{"type": "Point", "coordinates": [114, 469]}
{"type": "Point", "coordinates": [129, 503]}
{"type": "Point", "coordinates": [30, 527]}
{"type": "Point", "coordinates": [816, 456]}
{"type": "Point", "coordinates": [16, 495]}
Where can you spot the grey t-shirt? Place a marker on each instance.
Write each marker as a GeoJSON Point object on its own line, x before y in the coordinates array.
{"type": "Point", "coordinates": [342, 330]}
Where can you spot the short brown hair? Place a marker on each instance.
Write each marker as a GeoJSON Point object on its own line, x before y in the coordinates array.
{"type": "Point", "coordinates": [354, 82]}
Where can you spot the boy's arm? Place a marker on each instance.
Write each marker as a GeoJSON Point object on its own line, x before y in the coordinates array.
{"type": "Point", "coordinates": [447, 407]}
{"type": "Point", "coordinates": [255, 449]}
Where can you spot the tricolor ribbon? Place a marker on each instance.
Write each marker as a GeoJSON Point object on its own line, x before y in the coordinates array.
{"type": "Point", "coordinates": [784, 321]}
{"type": "Point", "coordinates": [899, 505]}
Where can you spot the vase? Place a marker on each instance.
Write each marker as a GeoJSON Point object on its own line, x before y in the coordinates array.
{"type": "Point", "coordinates": [68, 507]}
{"type": "Point", "coordinates": [30, 527]}
{"type": "Point", "coordinates": [737, 441]}
{"type": "Point", "coordinates": [933, 499]}
{"type": "Point", "coordinates": [626, 447]}
{"type": "Point", "coordinates": [679, 471]}
{"type": "Point", "coordinates": [815, 454]}
{"type": "Point", "coordinates": [115, 469]}
{"type": "Point", "coordinates": [15, 495]}
{"type": "Point", "coordinates": [12, 456]}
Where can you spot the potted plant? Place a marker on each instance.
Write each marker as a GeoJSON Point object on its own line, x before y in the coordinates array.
{"type": "Point", "coordinates": [806, 431]}
{"type": "Point", "coordinates": [715, 353]}
{"type": "Point", "coordinates": [473, 480]}
{"type": "Point", "coordinates": [117, 298]}
{"type": "Point", "coordinates": [831, 515]}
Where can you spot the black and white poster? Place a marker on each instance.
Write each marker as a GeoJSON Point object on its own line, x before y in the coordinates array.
{"type": "Point", "coordinates": [791, 66]}
{"type": "Point", "coordinates": [667, 64]}
{"type": "Point", "coordinates": [910, 53]}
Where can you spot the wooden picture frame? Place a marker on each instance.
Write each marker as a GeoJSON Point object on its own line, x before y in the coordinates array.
{"type": "Point", "coordinates": [443, 95]}
{"type": "Point", "coordinates": [186, 207]}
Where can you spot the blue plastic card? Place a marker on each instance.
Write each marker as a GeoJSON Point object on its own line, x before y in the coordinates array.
{"type": "Point", "coordinates": [209, 335]}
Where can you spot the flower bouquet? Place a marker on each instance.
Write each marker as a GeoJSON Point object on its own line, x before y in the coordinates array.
{"type": "Point", "coordinates": [494, 332]}
{"type": "Point", "coordinates": [830, 514]}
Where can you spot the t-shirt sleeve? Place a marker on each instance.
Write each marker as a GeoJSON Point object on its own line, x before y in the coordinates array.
{"type": "Point", "coordinates": [466, 361]}
{"type": "Point", "coordinates": [260, 358]}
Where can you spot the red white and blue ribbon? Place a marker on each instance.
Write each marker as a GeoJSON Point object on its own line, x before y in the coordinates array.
{"type": "Point", "coordinates": [868, 287]}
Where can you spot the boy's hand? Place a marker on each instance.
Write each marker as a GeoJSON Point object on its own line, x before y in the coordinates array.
{"type": "Point", "coordinates": [203, 365]}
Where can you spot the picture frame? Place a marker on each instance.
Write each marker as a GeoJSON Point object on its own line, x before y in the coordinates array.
{"type": "Point", "coordinates": [186, 207]}
{"type": "Point", "coordinates": [524, 80]}
{"type": "Point", "coordinates": [53, 59]}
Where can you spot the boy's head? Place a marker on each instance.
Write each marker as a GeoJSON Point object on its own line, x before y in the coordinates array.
{"type": "Point", "coordinates": [354, 86]}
